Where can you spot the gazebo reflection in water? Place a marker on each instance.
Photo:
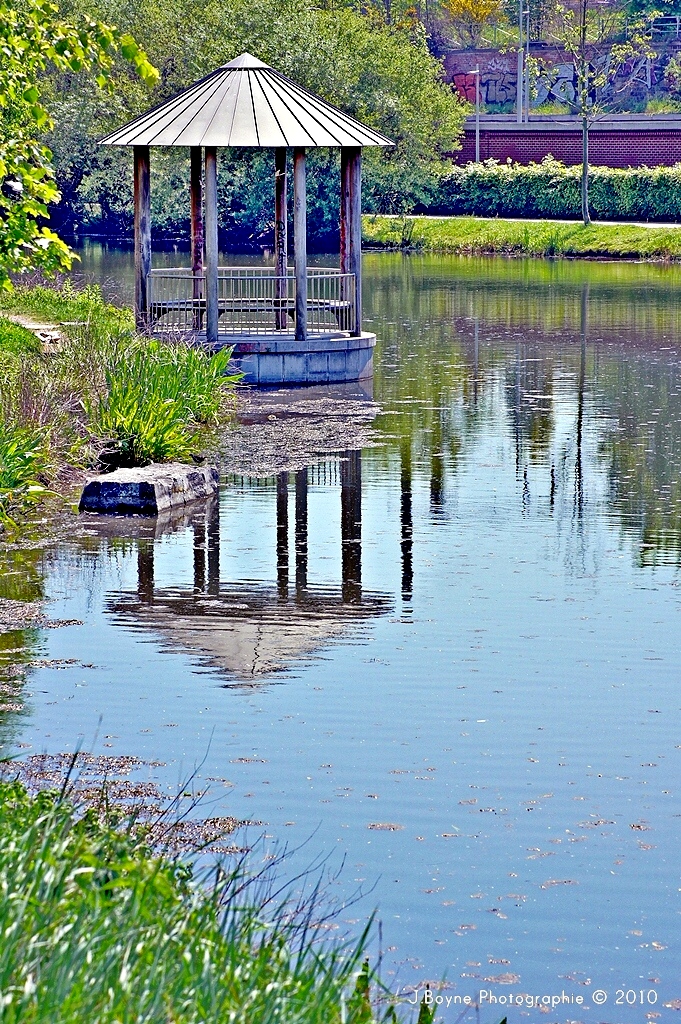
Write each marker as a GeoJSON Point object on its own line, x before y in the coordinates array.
{"type": "Point", "coordinates": [250, 630]}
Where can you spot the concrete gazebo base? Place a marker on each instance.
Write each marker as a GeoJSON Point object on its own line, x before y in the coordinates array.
{"type": "Point", "coordinates": [322, 359]}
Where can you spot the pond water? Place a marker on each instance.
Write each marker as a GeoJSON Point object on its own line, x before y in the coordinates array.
{"type": "Point", "coordinates": [452, 658]}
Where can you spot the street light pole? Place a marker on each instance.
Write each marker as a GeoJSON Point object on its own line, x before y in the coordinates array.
{"type": "Point", "coordinates": [519, 88]}
{"type": "Point", "coordinates": [527, 66]}
{"type": "Point", "coordinates": [476, 72]}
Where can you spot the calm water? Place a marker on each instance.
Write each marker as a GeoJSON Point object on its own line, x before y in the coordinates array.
{"type": "Point", "coordinates": [469, 633]}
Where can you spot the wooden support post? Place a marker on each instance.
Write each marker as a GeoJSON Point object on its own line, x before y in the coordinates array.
{"type": "Point", "coordinates": [300, 242]}
{"type": "Point", "coordinates": [351, 223]}
{"type": "Point", "coordinates": [196, 212]}
{"type": "Point", "coordinates": [142, 236]}
{"type": "Point", "coordinates": [211, 221]}
{"type": "Point", "coordinates": [280, 235]}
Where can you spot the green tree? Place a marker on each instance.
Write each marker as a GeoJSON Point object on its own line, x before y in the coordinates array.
{"type": "Point", "coordinates": [587, 35]}
{"type": "Point", "coordinates": [384, 75]}
{"type": "Point", "coordinates": [33, 39]}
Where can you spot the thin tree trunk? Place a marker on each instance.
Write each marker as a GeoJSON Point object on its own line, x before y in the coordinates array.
{"type": "Point", "coordinates": [585, 171]}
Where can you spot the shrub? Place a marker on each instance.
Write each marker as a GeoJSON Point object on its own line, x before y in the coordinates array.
{"type": "Point", "coordinates": [550, 189]}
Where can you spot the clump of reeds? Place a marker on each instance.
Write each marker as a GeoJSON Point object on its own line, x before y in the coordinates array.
{"type": "Point", "coordinates": [97, 927]}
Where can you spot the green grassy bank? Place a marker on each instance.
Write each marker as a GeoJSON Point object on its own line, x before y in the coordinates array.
{"type": "Point", "coordinates": [477, 235]}
{"type": "Point", "coordinates": [97, 395]}
{"type": "Point", "coordinates": [97, 927]}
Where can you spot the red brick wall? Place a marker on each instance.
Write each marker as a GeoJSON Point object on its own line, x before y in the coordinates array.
{"type": "Point", "coordinates": [615, 148]}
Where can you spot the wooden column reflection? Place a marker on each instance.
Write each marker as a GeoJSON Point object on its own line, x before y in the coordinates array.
{"type": "Point", "coordinates": [351, 527]}
{"type": "Point", "coordinates": [282, 535]}
{"type": "Point", "coordinates": [199, 530]}
{"type": "Point", "coordinates": [145, 570]}
{"type": "Point", "coordinates": [301, 530]}
{"type": "Point", "coordinates": [213, 535]}
{"type": "Point", "coordinates": [406, 521]}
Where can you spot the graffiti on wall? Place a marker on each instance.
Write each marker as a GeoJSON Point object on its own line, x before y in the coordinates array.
{"type": "Point", "coordinates": [498, 75]}
{"type": "Point", "coordinates": [497, 83]}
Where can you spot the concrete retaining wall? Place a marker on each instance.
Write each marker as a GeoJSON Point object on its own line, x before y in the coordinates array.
{"type": "Point", "coordinates": [319, 360]}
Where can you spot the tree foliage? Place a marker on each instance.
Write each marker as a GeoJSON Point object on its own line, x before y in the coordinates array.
{"type": "Point", "coordinates": [34, 38]}
{"type": "Point", "coordinates": [470, 17]}
{"type": "Point", "coordinates": [382, 74]}
{"type": "Point", "coordinates": [598, 55]}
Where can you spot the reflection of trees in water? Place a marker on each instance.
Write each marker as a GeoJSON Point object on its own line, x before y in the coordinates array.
{"type": "Point", "coordinates": [640, 299]}
{"type": "Point", "coordinates": [451, 329]}
{"type": "Point", "coordinates": [21, 579]}
{"type": "Point", "coordinates": [643, 449]}
{"type": "Point", "coordinates": [528, 387]}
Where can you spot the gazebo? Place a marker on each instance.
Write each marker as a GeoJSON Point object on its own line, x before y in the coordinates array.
{"type": "Point", "coordinates": [299, 324]}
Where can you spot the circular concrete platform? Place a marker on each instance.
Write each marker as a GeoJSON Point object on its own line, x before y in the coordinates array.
{"type": "Point", "coordinates": [322, 359]}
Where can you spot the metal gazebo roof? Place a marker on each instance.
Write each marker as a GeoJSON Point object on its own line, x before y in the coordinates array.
{"type": "Point", "coordinates": [245, 103]}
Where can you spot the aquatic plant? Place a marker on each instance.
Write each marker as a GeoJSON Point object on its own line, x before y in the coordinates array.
{"type": "Point", "coordinates": [104, 395]}
{"type": "Point", "coordinates": [97, 927]}
{"type": "Point", "coordinates": [22, 461]}
{"type": "Point", "coordinates": [156, 395]}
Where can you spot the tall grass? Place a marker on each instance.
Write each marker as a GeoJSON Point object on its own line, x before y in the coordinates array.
{"type": "Point", "coordinates": [96, 928]}
{"type": "Point", "coordinates": [155, 396]}
{"type": "Point", "coordinates": [104, 397]}
{"type": "Point", "coordinates": [23, 462]}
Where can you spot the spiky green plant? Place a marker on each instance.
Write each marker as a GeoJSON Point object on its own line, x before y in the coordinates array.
{"type": "Point", "coordinates": [95, 927]}
{"type": "Point", "coordinates": [22, 460]}
{"type": "Point", "coordinates": [156, 397]}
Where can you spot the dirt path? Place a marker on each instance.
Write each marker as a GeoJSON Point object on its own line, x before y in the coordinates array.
{"type": "Point", "coordinates": [51, 335]}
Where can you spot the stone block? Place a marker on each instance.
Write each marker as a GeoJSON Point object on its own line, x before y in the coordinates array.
{"type": "Point", "coordinates": [148, 490]}
{"type": "Point", "coordinates": [338, 366]}
{"type": "Point", "coordinates": [318, 366]}
{"type": "Point", "coordinates": [356, 359]}
{"type": "Point", "coordinates": [366, 368]}
{"type": "Point", "coordinates": [248, 364]}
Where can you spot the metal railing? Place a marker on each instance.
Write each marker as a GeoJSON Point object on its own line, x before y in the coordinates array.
{"type": "Point", "coordinates": [251, 300]}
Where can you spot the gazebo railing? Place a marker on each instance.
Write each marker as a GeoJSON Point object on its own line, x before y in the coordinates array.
{"type": "Point", "coordinates": [251, 300]}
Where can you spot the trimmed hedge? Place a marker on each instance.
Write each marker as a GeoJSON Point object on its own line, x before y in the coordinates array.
{"type": "Point", "coordinates": [550, 189]}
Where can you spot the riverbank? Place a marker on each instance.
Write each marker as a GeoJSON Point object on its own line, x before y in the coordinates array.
{"type": "Point", "coordinates": [481, 236]}
{"type": "Point", "coordinates": [87, 392]}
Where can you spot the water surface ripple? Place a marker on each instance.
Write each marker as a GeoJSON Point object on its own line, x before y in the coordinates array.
{"type": "Point", "coordinates": [467, 635]}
